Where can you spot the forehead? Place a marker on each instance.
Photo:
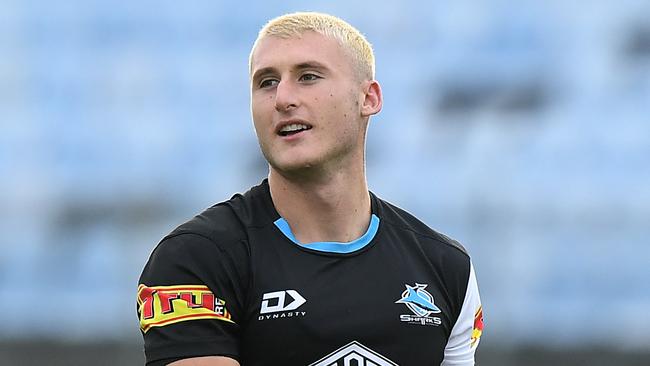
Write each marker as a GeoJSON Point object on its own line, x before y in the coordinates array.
{"type": "Point", "coordinates": [277, 52]}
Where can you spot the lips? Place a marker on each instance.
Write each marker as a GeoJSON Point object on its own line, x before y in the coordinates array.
{"type": "Point", "coordinates": [290, 128]}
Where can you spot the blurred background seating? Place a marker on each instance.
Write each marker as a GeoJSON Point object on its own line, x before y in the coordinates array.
{"type": "Point", "coordinates": [521, 129]}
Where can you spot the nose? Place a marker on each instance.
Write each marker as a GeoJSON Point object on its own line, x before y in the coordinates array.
{"type": "Point", "coordinates": [286, 97]}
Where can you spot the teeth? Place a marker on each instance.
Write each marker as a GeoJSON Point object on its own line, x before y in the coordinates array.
{"type": "Point", "coordinates": [293, 127]}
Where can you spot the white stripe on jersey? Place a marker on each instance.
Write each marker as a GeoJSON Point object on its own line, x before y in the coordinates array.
{"type": "Point", "coordinates": [460, 350]}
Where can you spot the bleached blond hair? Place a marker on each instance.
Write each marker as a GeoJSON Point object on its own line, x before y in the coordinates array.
{"type": "Point", "coordinates": [295, 24]}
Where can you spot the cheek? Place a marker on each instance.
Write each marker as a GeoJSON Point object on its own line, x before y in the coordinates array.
{"type": "Point", "coordinates": [260, 110]}
{"type": "Point", "coordinates": [261, 131]}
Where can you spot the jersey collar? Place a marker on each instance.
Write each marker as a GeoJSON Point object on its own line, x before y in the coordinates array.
{"type": "Point", "coordinates": [332, 246]}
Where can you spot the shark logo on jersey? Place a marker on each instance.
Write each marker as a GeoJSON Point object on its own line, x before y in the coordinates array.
{"type": "Point", "coordinates": [418, 300]}
{"type": "Point", "coordinates": [421, 303]}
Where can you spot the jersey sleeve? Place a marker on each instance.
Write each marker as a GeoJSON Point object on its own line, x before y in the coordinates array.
{"type": "Point", "coordinates": [190, 299]}
{"type": "Point", "coordinates": [466, 333]}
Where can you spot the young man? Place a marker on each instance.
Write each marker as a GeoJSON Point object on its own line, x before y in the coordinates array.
{"type": "Point", "coordinates": [309, 267]}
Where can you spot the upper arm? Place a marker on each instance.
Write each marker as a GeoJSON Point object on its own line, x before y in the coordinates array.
{"type": "Point", "coordinates": [206, 361]}
{"type": "Point", "coordinates": [466, 333]}
{"type": "Point", "coordinates": [190, 300]}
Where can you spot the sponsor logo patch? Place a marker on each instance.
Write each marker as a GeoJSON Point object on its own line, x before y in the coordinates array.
{"type": "Point", "coordinates": [281, 304]}
{"type": "Point", "coordinates": [478, 326]}
{"type": "Point", "coordinates": [354, 353]}
{"type": "Point", "coordinates": [162, 305]}
{"type": "Point", "coordinates": [421, 304]}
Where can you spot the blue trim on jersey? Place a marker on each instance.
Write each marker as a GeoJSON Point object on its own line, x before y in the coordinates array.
{"type": "Point", "coordinates": [332, 246]}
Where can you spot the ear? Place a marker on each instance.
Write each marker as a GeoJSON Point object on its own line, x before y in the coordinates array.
{"type": "Point", "coordinates": [372, 101]}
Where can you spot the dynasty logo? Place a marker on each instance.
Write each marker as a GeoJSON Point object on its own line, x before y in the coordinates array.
{"type": "Point", "coordinates": [420, 302]}
{"type": "Point", "coordinates": [162, 305]}
{"type": "Point", "coordinates": [281, 304]}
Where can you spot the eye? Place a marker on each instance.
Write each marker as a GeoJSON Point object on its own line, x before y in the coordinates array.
{"type": "Point", "coordinates": [309, 77]}
{"type": "Point", "coordinates": [266, 83]}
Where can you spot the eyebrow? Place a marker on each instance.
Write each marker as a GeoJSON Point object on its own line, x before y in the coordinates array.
{"type": "Point", "coordinates": [301, 66]}
{"type": "Point", "coordinates": [311, 65]}
{"type": "Point", "coordinates": [263, 71]}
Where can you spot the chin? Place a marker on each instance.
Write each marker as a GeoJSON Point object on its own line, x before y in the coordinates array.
{"type": "Point", "coordinates": [293, 167]}
{"type": "Point", "coordinates": [290, 161]}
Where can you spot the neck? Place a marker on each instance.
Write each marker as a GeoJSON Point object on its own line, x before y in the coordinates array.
{"type": "Point", "coordinates": [333, 208]}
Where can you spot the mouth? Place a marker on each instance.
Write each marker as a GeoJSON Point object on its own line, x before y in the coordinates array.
{"type": "Point", "coordinates": [290, 129]}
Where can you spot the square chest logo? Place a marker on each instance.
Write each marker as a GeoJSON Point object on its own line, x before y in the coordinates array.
{"type": "Point", "coordinates": [354, 353]}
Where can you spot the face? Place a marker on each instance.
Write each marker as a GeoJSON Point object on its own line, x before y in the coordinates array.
{"type": "Point", "coordinates": [307, 103]}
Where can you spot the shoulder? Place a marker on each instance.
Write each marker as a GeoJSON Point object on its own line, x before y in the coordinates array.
{"type": "Point", "coordinates": [211, 245]}
{"type": "Point", "coordinates": [226, 223]}
{"type": "Point", "coordinates": [220, 232]}
{"type": "Point", "coordinates": [218, 224]}
{"type": "Point", "coordinates": [441, 251]}
{"type": "Point", "coordinates": [404, 223]}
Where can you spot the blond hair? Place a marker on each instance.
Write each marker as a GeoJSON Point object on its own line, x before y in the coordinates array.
{"type": "Point", "coordinates": [295, 24]}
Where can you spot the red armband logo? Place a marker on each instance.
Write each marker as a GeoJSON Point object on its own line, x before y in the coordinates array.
{"type": "Point", "coordinates": [162, 305]}
{"type": "Point", "coordinates": [478, 326]}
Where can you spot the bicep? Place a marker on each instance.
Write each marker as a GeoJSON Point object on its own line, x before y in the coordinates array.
{"type": "Point", "coordinates": [189, 300]}
{"type": "Point", "coordinates": [206, 361]}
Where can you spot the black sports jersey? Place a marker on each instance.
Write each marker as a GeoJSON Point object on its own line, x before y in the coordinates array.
{"type": "Point", "coordinates": [234, 281]}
